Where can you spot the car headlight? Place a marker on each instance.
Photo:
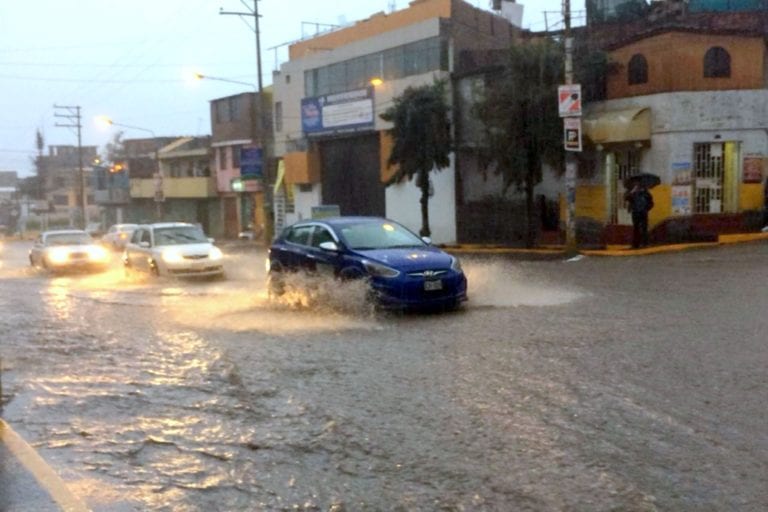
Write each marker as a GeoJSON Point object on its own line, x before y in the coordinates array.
{"type": "Point", "coordinates": [172, 256]}
{"type": "Point", "coordinates": [456, 264]}
{"type": "Point", "coordinates": [58, 255]}
{"type": "Point", "coordinates": [215, 253]}
{"type": "Point", "coordinates": [98, 254]}
{"type": "Point", "coordinates": [379, 270]}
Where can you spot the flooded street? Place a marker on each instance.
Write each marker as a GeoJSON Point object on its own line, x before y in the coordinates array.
{"type": "Point", "coordinates": [631, 384]}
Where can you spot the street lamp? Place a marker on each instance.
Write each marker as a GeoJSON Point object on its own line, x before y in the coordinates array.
{"type": "Point", "coordinates": [159, 198]}
{"type": "Point", "coordinates": [200, 76]}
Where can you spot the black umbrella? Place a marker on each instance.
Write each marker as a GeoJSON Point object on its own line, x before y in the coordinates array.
{"type": "Point", "coordinates": [645, 179]}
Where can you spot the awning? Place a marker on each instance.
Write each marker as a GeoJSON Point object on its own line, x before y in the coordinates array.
{"type": "Point", "coordinates": [613, 126]}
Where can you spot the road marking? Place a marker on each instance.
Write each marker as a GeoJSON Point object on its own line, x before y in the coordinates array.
{"type": "Point", "coordinates": [42, 472]}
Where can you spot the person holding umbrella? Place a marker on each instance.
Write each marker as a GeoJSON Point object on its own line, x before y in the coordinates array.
{"type": "Point", "coordinates": [639, 203]}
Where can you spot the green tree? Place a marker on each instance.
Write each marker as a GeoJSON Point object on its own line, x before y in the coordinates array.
{"type": "Point", "coordinates": [522, 127]}
{"type": "Point", "coordinates": [421, 134]}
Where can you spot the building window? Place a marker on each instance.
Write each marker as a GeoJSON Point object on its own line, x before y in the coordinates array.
{"type": "Point", "coordinates": [278, 116]}
{"type": "Point", "coordinates": [59, 200]}
{"type": "Point", "coordinates": [391, 64]}
{"type": "Point", "coordinates": [236, 156]}
{"type": "Point", "coordinates": [638, 70]}
{"type": "Point", "coordinates": [227, 110]}
{"type": "Point", "coordinates": [717, 63]}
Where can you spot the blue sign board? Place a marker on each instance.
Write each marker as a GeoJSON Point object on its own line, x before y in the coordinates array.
{"type": "Point", "coordinates": [338, 113]}
{"type": "Point", "coordinates": [251, 163]}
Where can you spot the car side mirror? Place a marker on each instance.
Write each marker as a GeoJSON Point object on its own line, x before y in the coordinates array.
{"type": "Point", "coordinates": [329, 246]}
{"type": "Point", "coordinates": [426, 240]}
{"type": "Point", "coordinates": [144, 244]}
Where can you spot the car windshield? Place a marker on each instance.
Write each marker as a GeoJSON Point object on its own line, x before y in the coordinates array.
{"type": "Point", "coordinates": [179, 235]}
{"type": "Point", "coordinates": [378, 235]}
{"type": "Point", "coordinates": [68, 239]}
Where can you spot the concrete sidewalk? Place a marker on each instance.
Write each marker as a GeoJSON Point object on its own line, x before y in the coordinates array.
{"type": "Point", "coordinates": [558, 252]}
{"type": "Point", "coordinates": [27, 482]}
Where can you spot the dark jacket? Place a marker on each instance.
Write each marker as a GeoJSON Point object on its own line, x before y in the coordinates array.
{"type": "Point", "coordinates": [639, 201]}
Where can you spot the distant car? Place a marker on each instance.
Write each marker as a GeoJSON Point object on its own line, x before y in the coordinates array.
{"type": "Point", "coordinates": [118, 235]}
{"type": "Point", "coordinates": [68, 249]}
{"type": "Point", "coordinates": [173, 249]}
{"type": "Point", "coordinates": [403, 270]}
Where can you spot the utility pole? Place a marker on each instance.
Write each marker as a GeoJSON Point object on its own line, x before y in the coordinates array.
{"type": "Point", "coordinates": [72, 115]}
{"type": "Point", "coordinates": [570, 161]}
{"type": "Point", "coordinates": [267, 191]}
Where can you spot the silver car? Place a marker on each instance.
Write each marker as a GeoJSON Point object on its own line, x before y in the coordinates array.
{"type": "Point", "coordinates": [68, 249]}
{"type": "Point", "coordinates": [175, 249]}
{"type": "Point", "coordinates": [118, 235]}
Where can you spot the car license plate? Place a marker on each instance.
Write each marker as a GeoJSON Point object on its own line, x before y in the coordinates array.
{"type": "Point", "coordinates": [432, 285]}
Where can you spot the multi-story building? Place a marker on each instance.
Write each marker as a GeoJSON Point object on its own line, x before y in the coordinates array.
{"type": "Point", "coordinates": [164, 178]}
{"type": "Point", "coordinates": [61, 185]}
{"type": "Point", "coordinates": [687, 101]}
{"type": "Point", "coordinates": [241, 145]}
{"type": "Point", "coordinates": [333, 145]}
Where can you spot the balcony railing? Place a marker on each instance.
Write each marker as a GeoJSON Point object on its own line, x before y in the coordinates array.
{"type": "Point", "coordinates": [180, 188]}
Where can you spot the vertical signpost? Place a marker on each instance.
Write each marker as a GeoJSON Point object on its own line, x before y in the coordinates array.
{"type": "Point", "coordinates": [569, 98]}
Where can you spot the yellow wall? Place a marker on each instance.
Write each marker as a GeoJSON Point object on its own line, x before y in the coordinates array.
{"type": "Point", "coordinates": [751, 197]}
{"type": "Point", "coordinates": [591, 203]}
{"type": "Point", "coordinates": [662, 204]}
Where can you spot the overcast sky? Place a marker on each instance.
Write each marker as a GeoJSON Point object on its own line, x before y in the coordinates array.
{"type": "Point", "coordinates": [131, 61]}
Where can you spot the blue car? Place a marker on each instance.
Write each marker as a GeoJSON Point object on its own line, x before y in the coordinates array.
{"type": "Point", "coordinates": [403, 270]}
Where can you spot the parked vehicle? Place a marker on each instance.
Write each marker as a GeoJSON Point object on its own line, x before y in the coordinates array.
{"type": "Point", "coordinates": [404, 271]}
{"type": "Point", "coordinates": [67, 250]}
{"type": "Point", "coordinates": [94, 229]}
{"type": "Point", "coordinates": [118, 235]}
{"type": "Point", "coordinates": [173, 249]}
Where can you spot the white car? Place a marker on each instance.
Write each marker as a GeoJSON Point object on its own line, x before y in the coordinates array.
{"type": "Point", "coordinates": [118, 235]}
{"type": "Point", "coordinates": [173, 249]}
{"type": "Point", "coordinates": [68, 249]}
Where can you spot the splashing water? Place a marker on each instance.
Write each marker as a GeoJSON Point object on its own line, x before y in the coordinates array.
{"type": "Point", "coordinates": [504, 284]}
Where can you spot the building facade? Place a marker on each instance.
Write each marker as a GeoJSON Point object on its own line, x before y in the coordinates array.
{"type": "Point", "coordinates": [329, 138]}
{"type": "Point", "coordinates": [687, 101]}
{"type": "Point", "coordinates": [241, 146]}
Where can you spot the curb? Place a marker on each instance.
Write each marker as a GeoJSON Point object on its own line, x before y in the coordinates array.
{"type": "Point", "coordinates": [43, 475]}
{"type": "Point", "coordinates": [614, 251]}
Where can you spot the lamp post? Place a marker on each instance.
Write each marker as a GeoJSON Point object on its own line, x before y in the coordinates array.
{"type": "Point", "coordinates": [159, 197]}
{"type": "Point", "coordinates": [200, 76]}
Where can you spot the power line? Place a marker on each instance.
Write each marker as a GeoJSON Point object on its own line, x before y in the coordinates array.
{"type": "Point", "coordinates": [72, 115]}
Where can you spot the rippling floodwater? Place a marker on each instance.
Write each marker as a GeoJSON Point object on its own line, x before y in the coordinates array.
{"type": "Point", "coordinates": [198, 396]}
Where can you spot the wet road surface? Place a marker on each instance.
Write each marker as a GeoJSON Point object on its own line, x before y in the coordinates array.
{"type": "Point", "coordinates": [599, 384]}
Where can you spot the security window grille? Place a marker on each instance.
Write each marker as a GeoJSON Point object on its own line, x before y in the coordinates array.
{"type": "Point", "coordinates": [627, 164]}
{"type": "Point", "coordinates": [708, 166]}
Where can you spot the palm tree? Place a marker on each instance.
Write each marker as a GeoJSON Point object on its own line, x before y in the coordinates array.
{"type": "Point", "coordinates": [421, 133]}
